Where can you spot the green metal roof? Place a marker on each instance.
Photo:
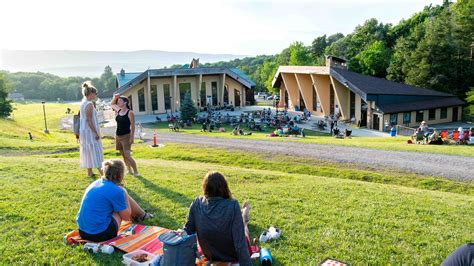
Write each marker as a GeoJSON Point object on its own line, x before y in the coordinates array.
{"type": "Point", "coordinates": [123, 79]}
{"type": "Point", "coordinates": [129, 80]}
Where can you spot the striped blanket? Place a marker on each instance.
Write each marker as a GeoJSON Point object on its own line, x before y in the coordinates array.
{"type": "Point", "coordinates": [130, 237]}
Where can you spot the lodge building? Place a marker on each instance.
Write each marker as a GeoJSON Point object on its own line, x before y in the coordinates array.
{"type": "Point", "coordinates": [157, 91]}
{"type": "Point", "coordinates": [370, 101]}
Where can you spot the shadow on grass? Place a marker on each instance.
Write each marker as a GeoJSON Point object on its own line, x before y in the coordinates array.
{"type": "Point", "coordinates": [170, 194]}
{"type": "Point", "coordinates": [161, 218]}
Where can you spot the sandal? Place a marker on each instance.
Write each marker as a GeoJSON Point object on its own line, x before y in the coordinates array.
{"type": "Point", "coordinates": [145, 216]}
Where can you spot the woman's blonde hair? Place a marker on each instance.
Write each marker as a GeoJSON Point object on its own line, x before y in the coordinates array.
{"type": "Point", "coordinates": [87, 88]}
{"type": "Point", "coordinates": [113, 170]}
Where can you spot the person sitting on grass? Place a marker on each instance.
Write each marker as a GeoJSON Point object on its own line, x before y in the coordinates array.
{"type": "Point", "coordinates": [435, 139]}
{"type": "Point", "coordinates": [418, 137]}
{"type": "Point", "coordinates": [106, 203]}
{"type": "Point", "coordinates": [220, 225]}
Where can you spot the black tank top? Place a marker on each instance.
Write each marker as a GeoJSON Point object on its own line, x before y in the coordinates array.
{"type": "Point", "coordinates": [123, 124]}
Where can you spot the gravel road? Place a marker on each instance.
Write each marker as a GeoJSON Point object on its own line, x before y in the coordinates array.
{"type": "Point", "coordinates": [449, 166]}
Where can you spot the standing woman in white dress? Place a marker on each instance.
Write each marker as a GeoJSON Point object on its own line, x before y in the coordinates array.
{"type": "Point", "coordinates": [89, 132]}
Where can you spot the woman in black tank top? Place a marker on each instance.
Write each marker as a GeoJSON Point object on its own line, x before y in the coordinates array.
{"type": "Point", "coordinates": [125, 132]}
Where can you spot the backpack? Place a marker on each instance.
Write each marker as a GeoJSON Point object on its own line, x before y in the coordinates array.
{"type": "Point", "coordinates": [76, 124]}
{"type": "Point", "coordinates": [178, 249]}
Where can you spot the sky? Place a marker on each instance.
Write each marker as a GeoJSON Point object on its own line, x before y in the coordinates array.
{"type": "Point", "coordinates": [247, 27]}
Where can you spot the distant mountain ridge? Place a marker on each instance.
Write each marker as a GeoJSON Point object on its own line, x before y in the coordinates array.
{"type": "Point", "coordinates": [91, 63]}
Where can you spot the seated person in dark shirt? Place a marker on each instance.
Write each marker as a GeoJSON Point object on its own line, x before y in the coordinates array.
{"type": "Point", "coordinates": [220, 225]}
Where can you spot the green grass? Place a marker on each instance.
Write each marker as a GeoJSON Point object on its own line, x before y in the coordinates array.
{"type": "Point", "coordinates": [354, 221]}
{"type": "Point", "coordinates": [357, 215]}
{"type": "Point", "coordinates": [398, 143]}
{"type": "Point", "coordinates": [29, 118]}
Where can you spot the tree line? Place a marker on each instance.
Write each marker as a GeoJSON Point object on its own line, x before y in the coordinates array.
{"type": "Point", "coordinates": [432, 49]}
{"type": "Point", "coordinates": [45, 86]}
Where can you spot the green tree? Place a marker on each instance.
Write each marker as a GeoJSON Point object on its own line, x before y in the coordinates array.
{"type": "Point", "coordinates": [470, 100]}
{"type": "Point", "coordinates": [318, 46]}
{"type": "Point", "coordinates": [5, 105]}
{"type": "Point", "coordinates": [433, 57]}
{"type": "Point", "coordinates": [373, 61]}
{"type": "Point", "coordinates": [334, 38]}
{"type": "Point", "coordinates": [108, 82]}
{"type": "Point", "coordinates": [300, 55]}
{"type": "Point", "coordinates": [187, 109]}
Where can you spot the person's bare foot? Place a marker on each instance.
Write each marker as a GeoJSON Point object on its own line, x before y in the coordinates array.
{"type": "Point", "coordinates": [246, 212]}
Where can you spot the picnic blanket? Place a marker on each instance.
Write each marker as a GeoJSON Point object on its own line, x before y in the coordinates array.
{"type": "Point", "coordinates": [133, 237]}
{"type": "Point", "coordinates": [130, 237]}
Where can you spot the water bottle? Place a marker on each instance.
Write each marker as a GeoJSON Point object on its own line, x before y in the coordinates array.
{"type": "Point", "coordinates": [107, 249]}
{"type": "Point", "coordinates": [265, 257]}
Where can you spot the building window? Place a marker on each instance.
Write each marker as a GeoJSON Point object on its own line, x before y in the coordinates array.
{"type": "Point", "coordinates": [406, 118]}
{"type": "Point", "coordinates": [444, 113]}
{"type": "Point", "coordinates": [183, 89]}
{"type": "Point", "coordinates": [419, 116]}
{"type": "Point", "coordinates": [167, 95]}
{"type": "Point", "coordinates": [432, 114]}
{"type": "Point", "coordinates": [203, 93]}
{"type": "Point", "coordinates": [214, 92]}
{"type": "Point", "coordinates": [237, 97]}
{"type": "Point", "coordinates": [154, 97]}
{"type": "Point", "coordinates": [315, 100]}
{"type": "Point", "coordinates": [141, 100]}
{"type": "Point", "coordinates": [393, 119]}
{"type": "Point", "coordinates": [352, 104]}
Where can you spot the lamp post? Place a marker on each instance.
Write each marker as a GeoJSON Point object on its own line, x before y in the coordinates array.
{"type": "Point", "coordinates": [44, 115]}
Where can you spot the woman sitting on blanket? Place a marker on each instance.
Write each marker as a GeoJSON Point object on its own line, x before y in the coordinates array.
{"type": "Point", "coordinates": [220, 225]}
{"type": "Point", "coordinates": [106, 203]}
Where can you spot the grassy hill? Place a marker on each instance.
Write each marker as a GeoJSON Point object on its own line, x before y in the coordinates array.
{"type": "Point", "coordinates": [324, 210]}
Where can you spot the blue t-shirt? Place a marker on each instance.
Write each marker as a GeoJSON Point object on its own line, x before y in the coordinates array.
{"type": "Point", "coordinates": [100, 200]}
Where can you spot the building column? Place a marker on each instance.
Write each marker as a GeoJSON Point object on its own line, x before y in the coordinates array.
{"type": "Point", "coordinates": [148, 104]}
{"type": "Point", "coordinates": [175, 94]}
{"type": "Point", "coordinates": [321, 84]}
{"type": "Point", "coordinates": [292, 88]}
{"type": "Point", "coordinates": [244, 95]}
{"type": "Point", "coordinates": [370, 122]}
{"type": "Point", "coordinates": [220, 90]}
{"type": "Point", "coordinates": [305, 86]}
{"type": "Point", "coordinates": [198, 91]}
{"type": "Point", "coordinates": [340, 92]}
{"type": "Point", "coordinates": [358, 104]}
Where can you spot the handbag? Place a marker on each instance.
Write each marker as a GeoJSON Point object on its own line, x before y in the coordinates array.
{"type": "Point", "coordinates": [76, 124]}
{"type": "Point", "coordinates": [178, 249]}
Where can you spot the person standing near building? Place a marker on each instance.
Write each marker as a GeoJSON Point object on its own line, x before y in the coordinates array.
{"type": "Point", "coordinates": [89, 132]}
{"type": "Point", "coordinates": [125, 133]}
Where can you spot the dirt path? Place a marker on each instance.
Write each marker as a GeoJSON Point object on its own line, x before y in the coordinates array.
{"type": "Point", "coordinates": [450, 166]}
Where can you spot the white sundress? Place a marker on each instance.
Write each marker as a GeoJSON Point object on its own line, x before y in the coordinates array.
{"type": "Point", "coordinates": [91, 155]}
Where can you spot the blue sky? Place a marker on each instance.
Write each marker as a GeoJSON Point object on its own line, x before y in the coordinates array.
{"type": "Point", "coordinates": [236, 27]}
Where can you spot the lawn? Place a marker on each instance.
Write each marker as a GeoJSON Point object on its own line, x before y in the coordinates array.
{"type": "Point", "coordinates": [353, 214]}
{"type": "Point", "coordinates": [398, 143]}
{"type": "Point", "coordinates": [320, 216]}
{"type": "Point", "coordinates": [29, 118]}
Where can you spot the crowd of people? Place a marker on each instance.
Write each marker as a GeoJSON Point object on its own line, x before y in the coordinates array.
{"type": "Point", "coordinates": [424, 135]}
{"type": "Point", "coordinates": [106, 202]}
